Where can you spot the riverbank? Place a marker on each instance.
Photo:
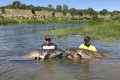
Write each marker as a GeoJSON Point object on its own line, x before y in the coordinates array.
{"type": "Point", "coordinates": [104, 30]}
{"type": "Point", "coordinates": [52, 21]}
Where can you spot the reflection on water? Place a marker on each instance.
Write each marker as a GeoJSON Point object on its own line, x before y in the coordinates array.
{"type": "Point", "coordinates": [18, 40]}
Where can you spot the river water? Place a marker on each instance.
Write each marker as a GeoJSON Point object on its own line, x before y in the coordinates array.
{"type": "Point", "coordinates": [19, 40]}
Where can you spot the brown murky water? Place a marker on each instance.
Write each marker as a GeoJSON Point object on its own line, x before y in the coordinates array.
{"type": "Point", "coordinates": [17, 41]}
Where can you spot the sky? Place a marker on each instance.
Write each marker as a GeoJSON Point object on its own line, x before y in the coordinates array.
{"type": "Point", "coordinates": [78, 4]}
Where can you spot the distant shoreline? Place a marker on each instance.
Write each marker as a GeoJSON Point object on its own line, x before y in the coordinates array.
{"type": "Point", "coordinates": [10, 21]}
{"type": "Point", "coordinates": [20, 13]}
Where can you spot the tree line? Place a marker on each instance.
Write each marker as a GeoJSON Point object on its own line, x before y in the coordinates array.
{"type": "Point", "coordinates": [59, 8]}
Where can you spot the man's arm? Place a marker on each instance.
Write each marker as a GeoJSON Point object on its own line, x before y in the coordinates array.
{"type": "Point", "coordinates": [55, 46]}
{"type": "Point", "coordinates": [42, 46]}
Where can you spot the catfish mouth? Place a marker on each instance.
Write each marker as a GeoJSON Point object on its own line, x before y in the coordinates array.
{"type": "Point", "coordinates": [74, 56]}
{"type": "Point", "coordinates": [37, 58]}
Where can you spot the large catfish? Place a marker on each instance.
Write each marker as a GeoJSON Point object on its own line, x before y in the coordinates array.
{"type": "Point", "coordinates": [77, 53]}
{"type": "Point", "coordinates": [46, 54]}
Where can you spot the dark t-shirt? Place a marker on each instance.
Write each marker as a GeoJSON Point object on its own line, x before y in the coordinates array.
{"type": "Point", "coordinates": [50, 46]}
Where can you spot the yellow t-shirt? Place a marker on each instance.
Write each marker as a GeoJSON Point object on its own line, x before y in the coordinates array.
{"type": "Point", "coordinates": [91, 48]}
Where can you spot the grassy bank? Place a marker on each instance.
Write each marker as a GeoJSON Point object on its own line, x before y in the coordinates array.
{"type": "Point", "coordinates": [35, 21]}
{"type": "Point", "coordinates": [106, 30]}
{"type": "Point", "coordinates": [8, 21]}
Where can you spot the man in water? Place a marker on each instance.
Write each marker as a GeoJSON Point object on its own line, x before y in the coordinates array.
{"type": "Point", "coordinates": [47, 44]}
{"type": "Point", "coordinates": [87, 44]}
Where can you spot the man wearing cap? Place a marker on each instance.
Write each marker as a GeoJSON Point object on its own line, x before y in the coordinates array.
{"type": "Point", "coordinates": [47, 44]}
{"type": "Point", "coordinates": [87, 44]}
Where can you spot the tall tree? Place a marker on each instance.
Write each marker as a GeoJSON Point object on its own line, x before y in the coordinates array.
{"type": "Point", "coordinates": [91, 12]}
{"type": "Point", "coordinates": [50, 7]}
{"type": "Point", "coordinates": [73, 11]}
{"type": "Point", "coordinates": [104, 12]}
{"type": "Point", "coordinates": [65, 9]}
{"type": "Point", "coordinates": [17, 4]}
{"type": "Point", "coordinates": [80, 12]}
{"type": "Point", "coordinates": [59, 8]}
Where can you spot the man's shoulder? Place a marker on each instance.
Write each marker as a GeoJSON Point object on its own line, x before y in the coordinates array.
{"type": "Point", "coordinates": [92, 46]}
{"type": "Point", "coordinates": [82, 45]}
{"type": "Point", "coordinates": [43, 44]}
{"type": "Point", "coordinates": [52, 44]}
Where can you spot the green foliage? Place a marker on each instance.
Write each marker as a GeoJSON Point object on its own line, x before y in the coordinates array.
{"type": "Point", "coordinates": [104, 12]}
{"type": "Point", "coordinates": [3, 10]}
{"type": "Point", "coordinates": [95, 17]}
{"type": "Point", "coordinates": [8, 21]}
{"type": "Point", "coordinates": [99, 29]}
{"type": "Point", "coordinates": [33, 12]}
{"type": "Point", "coordinates": [91, 11]}
{"type": "Point", "coordinates": [116, 18]}
{"type": "Point", "coordinates": [115, 12]}
{"type": "Point", "coordinates": [34, 20]}
{"type": "Point", "coordinates": [65, 9]}
{"type": "Point", "coordinates": [80, 12]}
{"type": "Point", "coordinates": [59, 8]}
{"type": "Point", "coordinates": [53, 14]}
{"type": "Point", "coordinates": [19, 5]}
{"type": "Point", "coordinates": [1, 17]}
{"type": "Point", "coordinates": [50, 8]}
{"type": "Point", "coordinates": [73, 11]}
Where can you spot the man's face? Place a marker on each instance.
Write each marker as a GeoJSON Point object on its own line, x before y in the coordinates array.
{"type": "Point", "coordinates": [47, 41]}
{"type": "Point", "coordinates": [87, 42]}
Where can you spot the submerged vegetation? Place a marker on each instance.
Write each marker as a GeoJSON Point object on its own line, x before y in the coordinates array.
{"type": "Point", "coordinates": [105, 30]}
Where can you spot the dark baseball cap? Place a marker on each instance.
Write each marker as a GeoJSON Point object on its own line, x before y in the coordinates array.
{"type": "Point", "coordinates": [47, 38]}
